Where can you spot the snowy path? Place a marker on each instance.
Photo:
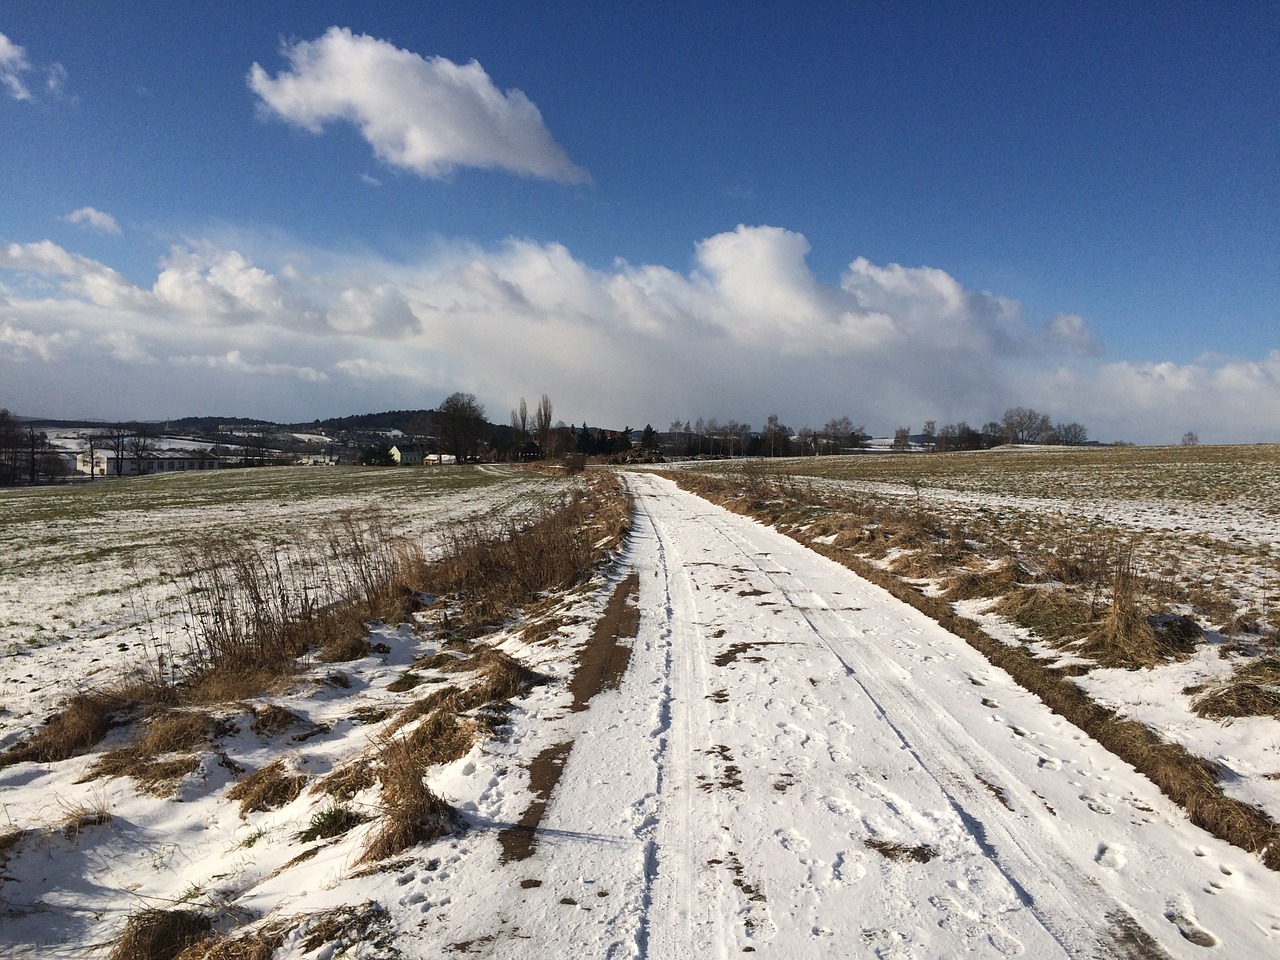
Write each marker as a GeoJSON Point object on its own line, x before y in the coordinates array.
{"type": "Point", "coordinates": [799, 765]}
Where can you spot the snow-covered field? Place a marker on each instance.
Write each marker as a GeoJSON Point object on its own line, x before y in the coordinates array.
{"type": "Point", "coordinates": [89, 577]}
{"type": "Point", "coordinates": [794, 764]}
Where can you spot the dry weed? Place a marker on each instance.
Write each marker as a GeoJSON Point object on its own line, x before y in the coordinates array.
{"type": "Point", "coordinates": [94, 812]}
{"type": "Point", "coordinates": [991, 581]}
{"type": "Point", "coordinates": [80, 725]}
{"type": "Point", "coordinates": [442, 697]}
{"type": "Point", "coordinates": [267, 788]}
{"type": "Point", "coordinates": [332, 821]}
{"type": "Point", "coordinates": [412, 813]}
{"type": "Point", "coordinates": [1253, 690]}
{"type": "Point", "coordinates": [367, 925]}
{"type": "Point", "coordinates": [257, 945]}
{"type": "Point", "coordinates": [160, 934]}
{"type": "Point", "coordinates": [345, 782]}
{"type": "Point", "coordinates": [272, 720]}
{"type": "Point", "coordinates": [1049, 612]}
{"type": "Point", "coordinates": [442, 738]}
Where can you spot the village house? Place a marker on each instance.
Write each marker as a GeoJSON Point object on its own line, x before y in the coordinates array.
{"type": "Point", "coordinates": [407, 454]}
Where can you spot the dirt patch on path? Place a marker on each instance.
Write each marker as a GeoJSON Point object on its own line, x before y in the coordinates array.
{"type": "Point", "coordinates": [601, 666]}
{"type": "Point", "coordinates": [605, 658]}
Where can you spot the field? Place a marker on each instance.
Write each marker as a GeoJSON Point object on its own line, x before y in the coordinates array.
{"type": "Point", "coordinates": [91, 576]}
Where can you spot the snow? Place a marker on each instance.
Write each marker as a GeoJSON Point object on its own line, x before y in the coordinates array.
{"type": "Point", "coordinates": [795, 764]}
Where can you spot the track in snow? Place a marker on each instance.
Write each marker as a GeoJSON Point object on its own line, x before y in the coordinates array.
{"type": "Point", "coordinates": [799, 765]}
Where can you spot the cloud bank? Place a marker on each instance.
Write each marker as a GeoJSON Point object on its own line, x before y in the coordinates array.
{"type": "Point", "coordinates": [746, 330]}
{"type": "Point", "coordinates": [424, 114]}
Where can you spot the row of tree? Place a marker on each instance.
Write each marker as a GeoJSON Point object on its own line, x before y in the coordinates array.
{"type": "Point", "coordinates": [26, 454]}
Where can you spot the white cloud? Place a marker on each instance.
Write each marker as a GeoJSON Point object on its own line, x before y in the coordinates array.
{"type": "Point", "coordinates": [745, 331]}
{"type": "Point", "coordinates": [1069, 329]}
{"type": "Point", "coordinates": [19, 344]}
{"type": "Point", "coordinates": [370, 180]}
{"type": "Point", "coordinates": [425, 114]}
{"type": "Point", "coordinates": [94, 220]}
{"type": "Point", "coordinates": [55, 79]}
{"type": "Point", "coordinates": [13, 63]}
{"type": "Point", "coordinates": [233, 360]}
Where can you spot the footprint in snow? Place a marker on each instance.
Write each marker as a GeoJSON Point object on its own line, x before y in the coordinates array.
{"type": "Point", "coordinates": [792, 840]}
{"type": "Point", "coordinates": [1178, 912]}
{"type": "Point", "coordinates": [1096, 805]}
{"type": "Point", "coordinates": [1110, 856]}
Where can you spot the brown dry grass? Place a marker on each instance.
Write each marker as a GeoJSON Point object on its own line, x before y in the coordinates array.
{"type": "Point", "coordinates": [271, 720]}
{"type": "Point", "coordinates": [440, 697]}
{"type": "Point", "coordinates": [160, 934]}
{"type": "Point", "coordinates": [265, 789]}
{"type": "Point", "coordinates": [146, 759]}
{"type": "Point", "coordinates": [411, 812]}
{"type": "Point", "coordinates": [1252, 690]}
{"type": "Point", "coordinates": [987, 580]}
{"type": "Point", "coordinates": [1049, 612]}
{"type": "Point", "coordinates": [345, 782]}
{"type": "Point", "coordinates": [80, 725]}
{"type": "Point", "coordinates": [257, 945]}
{"type": "Point", "coordinates": [494, 569]}
{"type": "Point", "coordinates": [442, 738]}
{"type": "Point", "coordinates": [501, 677]}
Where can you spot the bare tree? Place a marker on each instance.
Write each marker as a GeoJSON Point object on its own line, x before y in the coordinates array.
{"type": "Point", "coordinates": [902, 439]}
{"type": "Point", "coordinates": [777, 437]}
{"type": "Point", "coordinates": [118, 442]}
{"type": "Point", "coordinates": [140, 445]}
{"type": "Point", "coordinates": [1024, 425]}
{"type": "Point", "coordinates": [734, 436]}
{"type": "Point", "coordinates": [1072, 434]}
{"type": "Point", "coordinates": [1191, 439]}
{"type": "Point", "coordinates": [10, 449]}
{"type": "Point", "coordinates": [90, 440]}
{"type": "Point", "coordinates": [808, 446]}
{"type": "Point", "coordinates": [461, 418]}
{"type": "Point", "coordinates": [542, 424]}
{"type": "Point", "coordinates": [520, 423]}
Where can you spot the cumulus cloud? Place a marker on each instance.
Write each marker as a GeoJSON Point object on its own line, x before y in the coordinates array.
{"type": "Point", "coordinates": [747, 329]}
{"type": "Point", "coordinates": [93, 220]}
{"type": "Point", "coordinates": [425, 114]}
{"type": "Point", "coordinates": [13, 64]}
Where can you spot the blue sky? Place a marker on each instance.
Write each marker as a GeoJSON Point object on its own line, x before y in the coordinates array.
{"type": "Point", "coordinates": [889, 211]}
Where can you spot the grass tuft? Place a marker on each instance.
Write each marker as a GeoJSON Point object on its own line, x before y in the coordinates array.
{"type": "Point", "coordinates": [160, 934]}
{"type": "Point", "coordinates": [412, 813]}
{"type": "Point", "coordinates": [331, 822]}
{"type": "Point", "coordinates": [1253, 690]}
{"type": "Point", "coordinates": [267, 788]}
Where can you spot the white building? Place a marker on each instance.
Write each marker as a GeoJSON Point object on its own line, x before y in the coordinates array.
{"type": "Point", "coordinates": [160, 461]}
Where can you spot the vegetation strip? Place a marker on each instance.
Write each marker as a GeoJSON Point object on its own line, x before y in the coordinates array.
{"type": "Point", "coordinates": [254, 621]}
{"type": "Point", "coordinates": [1187, 780]}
